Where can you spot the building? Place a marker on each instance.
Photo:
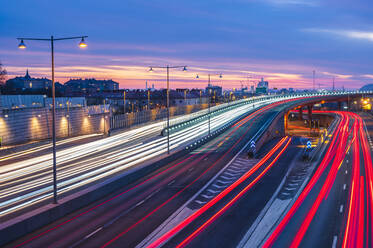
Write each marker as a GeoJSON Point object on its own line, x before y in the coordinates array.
{"type": "Point", "coordinates": [86, 87]}
{"type": "Point", "coordinates": [214, 90]}
{"type": "Point", "coordinates": [27, 82]}
{"type": "Point", "coordinates": [262, 87]}
{"type": "Point", "coordinates": [28, 85]}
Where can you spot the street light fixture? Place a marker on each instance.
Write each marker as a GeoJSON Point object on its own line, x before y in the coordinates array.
{"type": "Point", "coordinates": [22, 45]}
{"type": "Point", "coordinates": [82, 44]}
{"type": "Point", "coordinates": [209, 94]}
{"type": "Point", "coordinates": [167, 67]}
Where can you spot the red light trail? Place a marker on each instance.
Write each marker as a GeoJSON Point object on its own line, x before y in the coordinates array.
{"type": "Point", "coordinates": [211, 203]}
{"type": "Point", "coordinates": [358, 229]}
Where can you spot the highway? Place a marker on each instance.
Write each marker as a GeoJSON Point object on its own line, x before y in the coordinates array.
{"type": "Point", "coordinates": [333, 210]}
{"type": "Point", "coordinates": [207, 227]}
{"type": "Point", "coordinates": [127, 216]}
{"type": "Point", "coordinates": [335, 207]}
{"type": "Point", "coordinates": [28, 182]}
{"type": "Point", "coordinates": [26, 151]}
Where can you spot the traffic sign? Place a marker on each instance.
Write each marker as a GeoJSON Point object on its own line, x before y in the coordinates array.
{"type": "Point", "coordinates": [309, 144]}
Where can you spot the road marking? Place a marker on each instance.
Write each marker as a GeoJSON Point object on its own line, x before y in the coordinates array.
{"type": "Point", "coordinates": [201, 202]}
{"type": "Point", "coordinates": [139, 203]}
{"type": "Point", "coordinates": [335, 240]}
{"type": "Point", "coordinates": [219, 187]}
{"type": "Point", "coordinates": [93, 233]}
{"type": "Point", "coordinates": [170, 183]}
{"type": "Point", "coordinates": [207, 196]}
{"type": "Point", "coordinates": [341, 208]}
{"type": "Point", "coordinates": [344, 186]}
{"type": "Point", "coordinates": [149, 196]}
{"type": "Point", "coordinates": [213, 191]}
{"type": "Point", "coordinates": [231, 174]}
{"type": "Point", "coordinates": [223, 182]}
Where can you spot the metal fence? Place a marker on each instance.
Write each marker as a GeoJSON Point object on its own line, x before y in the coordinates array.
{"type": "Point", "coordinates": [132, 119]}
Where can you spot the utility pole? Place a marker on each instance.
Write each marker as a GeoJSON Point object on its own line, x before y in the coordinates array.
{"type": "Point", "coordinates": [82, 44]}
{"type": "Point", "coordinates": [148, 99]}
{"type": "Point", "coordinates": [209, 93]}
{"type": "Point", "coordinates": [333, 84]}
{"type": "Point", "coordinates": [68, 117]}
{"type": "Point", "coordinates": [168, 97]}
{"type": "Point", "coordinates": [124, 101]}
{"type": "Point", "coordinates": [313, 74]}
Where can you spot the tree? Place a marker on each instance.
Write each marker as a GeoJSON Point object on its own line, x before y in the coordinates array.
{"type": "Point", "coordinates": [2, 75]}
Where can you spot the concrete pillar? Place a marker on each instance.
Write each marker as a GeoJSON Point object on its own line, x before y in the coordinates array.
{"type": "Point", "coordinates": [309, 107]}
{"type": "Point", "coordinates": [286, 117]}
{"type": "Point", "coordinates": [300, 113]}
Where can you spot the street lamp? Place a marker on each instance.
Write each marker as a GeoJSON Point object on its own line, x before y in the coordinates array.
{"type": "Point", "coordinates": [22, 45]}
{"type": "Point", "coordinates": [167, 67]}
{"type": "Point", "coordinates": [209, 94]}
{"type": "Point", "coordinates": [82, 44]}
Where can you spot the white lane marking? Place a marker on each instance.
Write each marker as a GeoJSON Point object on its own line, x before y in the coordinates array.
{"type": "Point", "coordinates": [170, 183]}
{"type": "Point", "coordinates": [93, 233]}
{"type": "Point", "coordinates": [344, 186]}
{"type": "Point", "coordinates": [227, 178]}
{"type": "Point", "coordinates": [341, 208]}
{"type": "Point", "coordinates": [207, 196]}
{"type": "Point", "coordinates": [213, 191]}
{"type": "Point", "coordinates": [219, 187]}
{"type": "Point", "coordinates": [139, 203]}
{"type": "Point", "coordinates": [223, 181]}
{"type": "Point", "coordinates": [149, 196]}
{"type": "Point", "coordinates": [335, 240]}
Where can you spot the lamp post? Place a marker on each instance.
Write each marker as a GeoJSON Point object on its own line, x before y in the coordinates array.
{"type": "Point", "coordinates": [167, 67]}
{"type": "Point", "coordinates": [105, 116]}
{"type": "Point", "coordinates": [68, 117]}
{"type": "Point", "coordinates": [82, 44]}
{"type": "Point", "coordinates": [148, 99]}
{"type": "Point", "coordinates": [200, 97]}
{"type": "Point", "coordinates": [124, 102]}
{"type": "Point", "coordinates": [209, 94]}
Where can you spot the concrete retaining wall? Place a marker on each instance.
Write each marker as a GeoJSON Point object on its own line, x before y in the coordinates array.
{"type": "Point", "coordinates": [23, 125]}
{"type": "Point", "coordinates": [275, 129]}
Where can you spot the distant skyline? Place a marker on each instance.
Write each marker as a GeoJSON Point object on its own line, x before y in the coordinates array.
{"type": "Point", "coordinates": [280, 40]}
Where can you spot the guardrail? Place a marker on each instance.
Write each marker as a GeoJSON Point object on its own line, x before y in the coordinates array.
{"type": "Point", "coordinates": [183, 122]}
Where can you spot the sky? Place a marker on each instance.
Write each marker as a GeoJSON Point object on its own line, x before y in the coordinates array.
{"type": "Point", "coordinates": [283, 41]}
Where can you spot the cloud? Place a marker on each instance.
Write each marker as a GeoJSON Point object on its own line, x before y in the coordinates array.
{"type": "Point", "coordinates": [294, 2]}
{"type": "Point", "coordinates": [352, 34]}
{"type": "Point", "coordinates": [368, 76]}
{"type": "Point", "coordinates": [340, 76]}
